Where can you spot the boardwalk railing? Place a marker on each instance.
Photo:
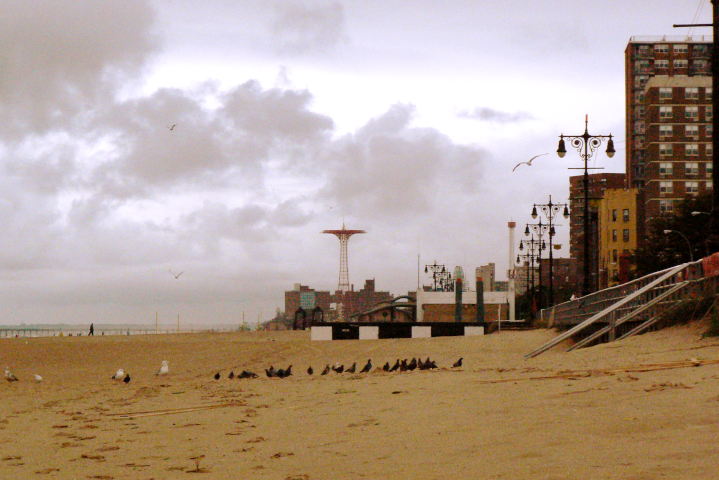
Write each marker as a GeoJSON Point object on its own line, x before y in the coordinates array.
{"type": "Point", "coordinates": [644, 297]}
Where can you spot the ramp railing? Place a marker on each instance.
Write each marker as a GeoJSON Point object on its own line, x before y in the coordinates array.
{"type": "Point", "coordinates": [616, 305]}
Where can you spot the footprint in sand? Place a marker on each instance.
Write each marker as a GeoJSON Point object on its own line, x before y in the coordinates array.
{"type": "Point", "coordinates": [101, 477]}
{"type": "Point", "coordinates": [109, 448]}
{"type": "Point", "coordinates": [282, 454]}
{"type": "Point", "coordinates": [257, 440]}
{"type": "Point", "coordinates": [301, 476]}
{"type": "Point", "coordinates": [98, 458]}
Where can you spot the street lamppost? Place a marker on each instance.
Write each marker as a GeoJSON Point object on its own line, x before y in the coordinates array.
{"type": "Point", "coordinates": [691, 256]}
{"type": "Point", "coordinates": [534, 252]}
{"type": "Point", "coordinates": [539, 229]}
{"type": "Point", "coordinates": [550, 211]}
{"type": "Point", "coordinates": [437, 271]}
{"type": "Point", "coordinates": [586, 145]}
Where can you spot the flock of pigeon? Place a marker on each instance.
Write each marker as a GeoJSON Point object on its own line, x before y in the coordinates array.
{"type": "Point", "coordinates": [272, 372]}
{"type": "Point", "coordinates": [402, 366]}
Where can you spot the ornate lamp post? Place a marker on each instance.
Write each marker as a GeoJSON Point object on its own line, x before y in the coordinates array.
{"type": "Point", "coordinates": [689, 245]}
{"type": "Point", "coordinates": [550, 211]}
{"type": "Point", "coordinates": [437, 272]}
{"type": "Point", "coordinates": [534, 248]}
{"type": "Point", "coordinates": [586, 145]}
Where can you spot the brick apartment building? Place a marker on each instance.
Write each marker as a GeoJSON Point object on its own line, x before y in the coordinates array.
{"type": "Point", "coordinates": [677, 141]}
{"type": "Point", "coordinates": [562, 269]}
{"type": "Point", "coordinates": [646, 57]}
{"type": "Point", "coordinates": [620, 230]}
{"type": "Point", "coordinates": [598, 184]}
{"type": "Point", "coordinates": [352, 301]}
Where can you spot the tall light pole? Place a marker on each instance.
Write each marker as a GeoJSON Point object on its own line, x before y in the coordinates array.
{"type": "Point", "coordinates": [534, 249]}
{"type": "Point", "coordinates": [539, 229]}
{"type": "Point", "coordinates": [550, 211]}
{"type": "Point", "coordinates": [586, 145]}
{"type": "Point", "coordinates": [691, 255]}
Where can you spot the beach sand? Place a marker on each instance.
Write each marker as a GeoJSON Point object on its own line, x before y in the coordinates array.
{"type": "Point", "coordinates": [588, 414]}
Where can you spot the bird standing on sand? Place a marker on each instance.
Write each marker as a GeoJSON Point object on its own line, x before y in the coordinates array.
{"type": "Point", "coordinates": [119, 375]}
{"type": "Point", "coordinates": [385, 367]}
{"type": "Point", "coordinates": [231, 375]}
{"type": "Point", "coordinates": [395, 366]}
{"type": "Point", "coordinates": [270, 372]}
{"type": "Point", "coordinates": [38, 378]}
{"type": "Point", "coordinates": [528, 162]}
{"type": "Point", "coordinates": [127, 378]}
{"type": "Point", "coordinates": [338, 368]}
{"type": "Point", "coordinates": [164, 368]}
{"type": "Point", "coordinates": [458, 363]}
{"type": "Point", "coordinates": [9, 376]}
{"type": "Point", "coordinates": [310, 371]}
{"type": "Point", "coordinates": [353, 368]}
{"type": "Point", "coordinates": [367, 367]}
{"type": "Point", "coordinates": [326, 370]}
{"type": "Point", "coordinates": [217, 376]}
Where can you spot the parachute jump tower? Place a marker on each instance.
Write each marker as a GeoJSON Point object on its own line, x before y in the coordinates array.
{"type": "Point", "coordinates": [344, 236]}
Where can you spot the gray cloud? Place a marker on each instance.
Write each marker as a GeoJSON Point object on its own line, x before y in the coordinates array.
{"type": "Point", "coordinates": [300, 27]}
{"type": "Point", "coordinates": [486, 114]}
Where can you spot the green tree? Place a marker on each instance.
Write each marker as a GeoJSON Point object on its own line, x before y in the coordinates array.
{"type": "Point", "coordinates": [661, 250]}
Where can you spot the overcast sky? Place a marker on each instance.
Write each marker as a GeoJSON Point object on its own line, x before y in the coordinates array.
{"type": "Point", "coordinates": [402, 117]}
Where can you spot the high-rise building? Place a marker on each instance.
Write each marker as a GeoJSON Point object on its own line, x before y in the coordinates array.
{"type": "Point", "coordinates": [647, 57]}
{"type": "Point", "coordinates": [486, 273]}
{"type": "Point", "coordinates": [677, 141]}
{"type": "Point", "coordinates": [598, 183]}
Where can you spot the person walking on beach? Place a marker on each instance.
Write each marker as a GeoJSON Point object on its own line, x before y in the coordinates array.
{"type": "Point", "coordinates": [92, 329]}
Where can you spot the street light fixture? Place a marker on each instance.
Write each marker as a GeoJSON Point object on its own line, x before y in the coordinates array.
{"type": "Point", "coordinates": [691, 256]}
{"type": "Point", "coordinates": [534, 248]}
{"type": "Point", "coordinates": [586, 145]}
{"type": "Point", "coordinates": [550, 210]}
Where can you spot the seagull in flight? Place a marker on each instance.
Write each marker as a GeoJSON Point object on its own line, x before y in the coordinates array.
{"type": "Point", "coordinates": [176, 275]}
{"type": "Point", "coordinates": [171, 127]}
{"type": "Point", "coordinates": [528, 162]}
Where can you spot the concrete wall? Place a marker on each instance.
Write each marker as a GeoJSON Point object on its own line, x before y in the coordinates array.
{"type": "Point", "coordinates": [436, 304]}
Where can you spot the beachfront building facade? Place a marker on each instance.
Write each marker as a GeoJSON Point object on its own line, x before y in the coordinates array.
{"type": "Point", "coordinates": [620, 228]}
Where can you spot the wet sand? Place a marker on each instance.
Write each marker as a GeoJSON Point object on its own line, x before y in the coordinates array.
{"type": "Point", "coordinates": [636, 409]}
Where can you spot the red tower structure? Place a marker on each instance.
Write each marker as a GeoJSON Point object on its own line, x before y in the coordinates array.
{"type": "Point", "coordinates": [344, 235]}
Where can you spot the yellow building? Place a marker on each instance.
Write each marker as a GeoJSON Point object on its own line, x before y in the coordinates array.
{"type": "Point", "coordinates": [618, 234]}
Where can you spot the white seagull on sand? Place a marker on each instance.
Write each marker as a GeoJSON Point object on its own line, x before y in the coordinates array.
{"type": "Point", "coordinates": [528, 162]}
{"type": "Point", "coordinates": [119, 375]}
{"type": "Point", "coordinates": [38, 378]}
{"type": "Point", "coordinates": [9, 376]}
{"type": "Point", "coordinates": [164, 369]}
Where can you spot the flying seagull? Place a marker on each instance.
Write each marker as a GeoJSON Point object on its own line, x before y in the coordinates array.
{"type": "Point", "coordinates": [171, 127]}
{"type": "Point", "coordinates": [176, 275]}
{"type": "Point", "coordinates": [528, 162]}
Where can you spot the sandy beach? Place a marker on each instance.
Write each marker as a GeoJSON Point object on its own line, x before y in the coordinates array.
{"type": "Point", "coordinates": [636, 409]}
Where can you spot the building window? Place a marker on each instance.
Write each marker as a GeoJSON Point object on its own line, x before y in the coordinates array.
{"type": "Point", "coordinates": [666, 130]}
{"type": "Point", "coordinates": [665, 149]}
{"type": "Point", "coordinates": [691, 93]}
{"type": "Point", "coordinates": [691, 168]}
{"type": "Point", "coordinates": [661, 64]}
{"type": "Point", "coordinates": [691, 187]}
{"type": "Point", "coordinates": [625, 235]}
{"type": "Point", "coordinates": [614, 256]}
{"type": "Point", "coordinates": [680, 48]}
{"type": "Point", "coordinates": [614, 215]}
{"type": "Point", "coordinates": [709, 129]}
{"type": "Point", "coordinates": [625, 214]}
{"type": "Point", "coordinates": [708, 93]}
{"type": "Point", "coordinates": [666, 187]}
{"type": "Point", "coordinates": [691, 130]}
{"type": "Point", "coordinates": [681, 63]}
{"type": "Point", "coordinates": [665, 112]}
{"type": "Point", "coordinates": [665, 168]}
{"type": "Point", "coordinates": [691, 112]}
{"type": "Point", "coordinates": [708, 150]}
{"type": "Point", "coordinates": [691, 149]}
{"type": "Point", "coordinates": [666, 206]}
{"type": "Point", "coordinates": [614, 235]}
{"type": "Point", "coordinates": [709, 185]}
{"type": "Point", "coordinates": [708, 112]}
{"type": "Point", "coordinates": [710, 169]}
{"type": "Point", "coordinates": [661, 48]}
{"type": "Point", "coordinates": [700, 66]}
{"type": "Point", "coordinates": [665, 93]}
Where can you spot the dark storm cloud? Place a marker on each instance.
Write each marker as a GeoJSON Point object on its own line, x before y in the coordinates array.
{"type": "Point", "coordinates": [301, 27]}
{"type": "Point", "coordinates": [486, 114]}
{"type": "Point", "coordinates": [389, 168]}
{"type": "Point", "coordinates": [62, 58]}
